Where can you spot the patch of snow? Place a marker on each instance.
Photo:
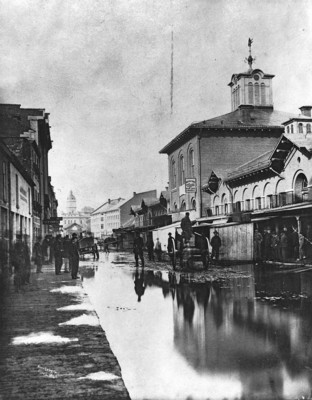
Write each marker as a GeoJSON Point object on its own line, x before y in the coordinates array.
{"type": "Point", "coordinates": [79, 307]}
{"type": "Point", "coordinates": [84, 319]}
{"type": "Point", "coordinates": [68, 289]}
{"type": "Point", "coordinates": [100, 376]}
{"type": "Point", "coordinates": [41, 338]}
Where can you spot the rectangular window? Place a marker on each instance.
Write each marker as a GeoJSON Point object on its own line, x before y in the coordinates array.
{"type": "Point", "coordinates": [29, 205]}
{"type": "Point", "coordinates": [17, 190]}
{"type": "Point", "coordinates": [248, 205]}
{"type": "Point", "coordinates": [4, 181]}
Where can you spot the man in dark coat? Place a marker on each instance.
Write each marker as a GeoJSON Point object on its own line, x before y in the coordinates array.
{"type": "Point", "coordinates": [38, 254]}
{"type": "Point", "coordinates": [66, 251]}
{"type": "Point", "coordinates": [171, 248]}
{"type": "Point", "coordinates": [215, 244]}
{"type": "Point", "coordinates": [138, 246]}
{"type": "Point", "coordinates": [58, 254]}
{"type": "Point", "coordinates": [150, 247]}
{"type": "Point", "coordinates": [186, 226]}
{"type": "Point", "coordinates": [74, 256]}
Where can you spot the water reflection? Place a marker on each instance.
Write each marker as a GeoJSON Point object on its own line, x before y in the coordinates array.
{"type": "Point", "coordinates": [248, 337]}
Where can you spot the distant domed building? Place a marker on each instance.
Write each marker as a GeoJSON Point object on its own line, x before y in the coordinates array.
{"type": "Point", "coordinates": [75, 221]}
{"type": "Point", "coordinates": [71, 204]}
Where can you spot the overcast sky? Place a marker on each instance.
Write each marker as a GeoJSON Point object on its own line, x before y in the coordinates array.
{"type": "Point", "coordinates": [101, 68]}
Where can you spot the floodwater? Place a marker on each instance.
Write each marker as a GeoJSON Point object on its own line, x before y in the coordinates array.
{"type": "Point", "coordinates": [244, 338]}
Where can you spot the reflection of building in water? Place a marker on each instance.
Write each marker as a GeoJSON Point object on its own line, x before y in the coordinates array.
{"type": "Point", "coordinates": [232, 333]}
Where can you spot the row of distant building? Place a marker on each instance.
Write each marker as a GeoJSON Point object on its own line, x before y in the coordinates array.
{"type": "Point", "coordinates": [28, 205]}
{"type": "Point", "coordinates": [250, 168]}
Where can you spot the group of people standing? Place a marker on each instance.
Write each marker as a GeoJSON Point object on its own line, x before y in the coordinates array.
{"type": "Point", "coordinates": [65, 251]}
{"type": "Point", "coordinates": [289, 244]}
{"type": "Point", "coordinates": [176, 244]}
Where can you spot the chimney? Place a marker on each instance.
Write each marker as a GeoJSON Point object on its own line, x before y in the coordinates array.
{"type": "Point", "coordinates": [134, 193]}
{"type": "Point", "coordinates": [109, 200]}
{"type": "Point", "coordinates": [306, 110]}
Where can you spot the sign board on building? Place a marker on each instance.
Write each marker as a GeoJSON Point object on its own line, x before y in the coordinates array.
{"type": "Point", "coordinates": [190, 185]}
{"type": "Point", "coordinates": [51, 222]}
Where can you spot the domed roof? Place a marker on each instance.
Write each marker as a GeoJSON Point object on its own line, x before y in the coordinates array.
{"type": "Point", "coordinates": [71, 196]}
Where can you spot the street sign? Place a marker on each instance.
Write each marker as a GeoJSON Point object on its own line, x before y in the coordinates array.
{"type": "Point", "coordinates": [190, 185]}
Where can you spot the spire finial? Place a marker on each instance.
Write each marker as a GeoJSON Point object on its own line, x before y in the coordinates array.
{"type": "Point", "coordinates": [250, 59]}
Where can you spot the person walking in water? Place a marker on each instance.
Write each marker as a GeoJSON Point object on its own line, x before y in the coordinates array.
{"type": "Point", "coordinates": [138, 245]}
{"type": "Point", "coordinates": [215, 244]}
{"type": "Point", "coordinates": [171, 250]}
{"type": "Point", "coordinates": [158, 250]}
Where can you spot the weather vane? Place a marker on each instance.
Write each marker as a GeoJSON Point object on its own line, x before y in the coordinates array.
{"type": "Point", "coordinates": [250, 59]}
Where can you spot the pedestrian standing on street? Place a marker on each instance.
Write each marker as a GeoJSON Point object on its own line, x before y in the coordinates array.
{"type": "Point", "coordinates": [27, 263]}
{"type": "Point", "coordinates": [51, 256]}
{"type": "Point", "coordinates": [309, 242]}
{"type": "Point", "coordinates": [95, 249]}
{"type": "Point", "coordinates": [66, 249]}
{"type": "Point", "coordinates": [301, 240]}
{"type": "Point", "coordinates": [38, 254]}
{"type": "Point", "coordinates": [171, 250]}
{"type": "Point", "coordinates": [58, 254]}
{"type": "Point", "coordinates": [74, 256]}
{"type": "Point", "coordinates": [138, 246]}
{"type": "Point", "coordinates": [267, 244]}
{"type": "Point", "coordinates": [284, 244]}
{"type": "Point", "coordinates": [106, 247]}
{"type": "Point", "coordinates": [158, 249]}
{"type": "Point", "coordinates": [186, 226]}
{"type": "Point", "coordinates": [179, 244]}
{"type": "Point", "coordinates": [18, 261]}
{"type": "Point", "coordinates": [257, 245]}
{"type": "Point", "coordinates": [215, 244]}
{"type": "Point", "coordinates": [274, 246]}
{"type": "Point", "coordinates": [45, 249]}
{"type": "Point", "coordinates": [150, 247]}
{"type": "Point", "coordinates": [294, 244]}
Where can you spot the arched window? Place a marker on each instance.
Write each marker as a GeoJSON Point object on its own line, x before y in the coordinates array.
{"type": "Point", "coordinates": [291, 128]}
{"type": "Point", "coordinates": [181, 170]}
{"type": "Point", "coordinates": [191, 163]}
{"type": "Point", "coordinates": [300, 188]}
{"type": "Point", "coordinates": [250, 93]}
{"type": "Point", "coordinates": [287, 129]}
{"type": "Point", "coordinates": [193, 204]}
{"type": "Point", "coordinates": [308, 128]}
{"type": "Point", "coordinates": [300, 126]}
{"type": "Point", "coordinates": [257, 94]}
{"type": "Point", "coordinates": [224, 204]}
{"type": "Point", "coordinates": [263, 99]}
{"type": "Point", "coordinates": [183, 206]}
{"type": "Point", "coordinates": [175, 206]}
{"type": "Point", "coordinates": [173, 174]}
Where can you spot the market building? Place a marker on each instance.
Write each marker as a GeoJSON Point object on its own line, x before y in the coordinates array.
{"type": "Point", "coordinates": [226, 168]}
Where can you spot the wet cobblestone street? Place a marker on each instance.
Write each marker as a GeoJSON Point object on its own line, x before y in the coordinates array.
{"type": "Point", "coordinates": [51, 344]}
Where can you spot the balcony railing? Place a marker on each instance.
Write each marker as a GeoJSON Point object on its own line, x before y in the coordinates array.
{"type": "Point", "coordinates": [261, 203]}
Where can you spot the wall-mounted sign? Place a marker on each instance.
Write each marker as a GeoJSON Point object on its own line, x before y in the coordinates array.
{"type": "Point", "coordinates": [50, 222]}
{"type": "Point", "coordinates": [190, 185]}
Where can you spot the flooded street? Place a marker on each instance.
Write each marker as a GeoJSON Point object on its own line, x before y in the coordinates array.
{"type": "Point", "coordinates": [174, 338]}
